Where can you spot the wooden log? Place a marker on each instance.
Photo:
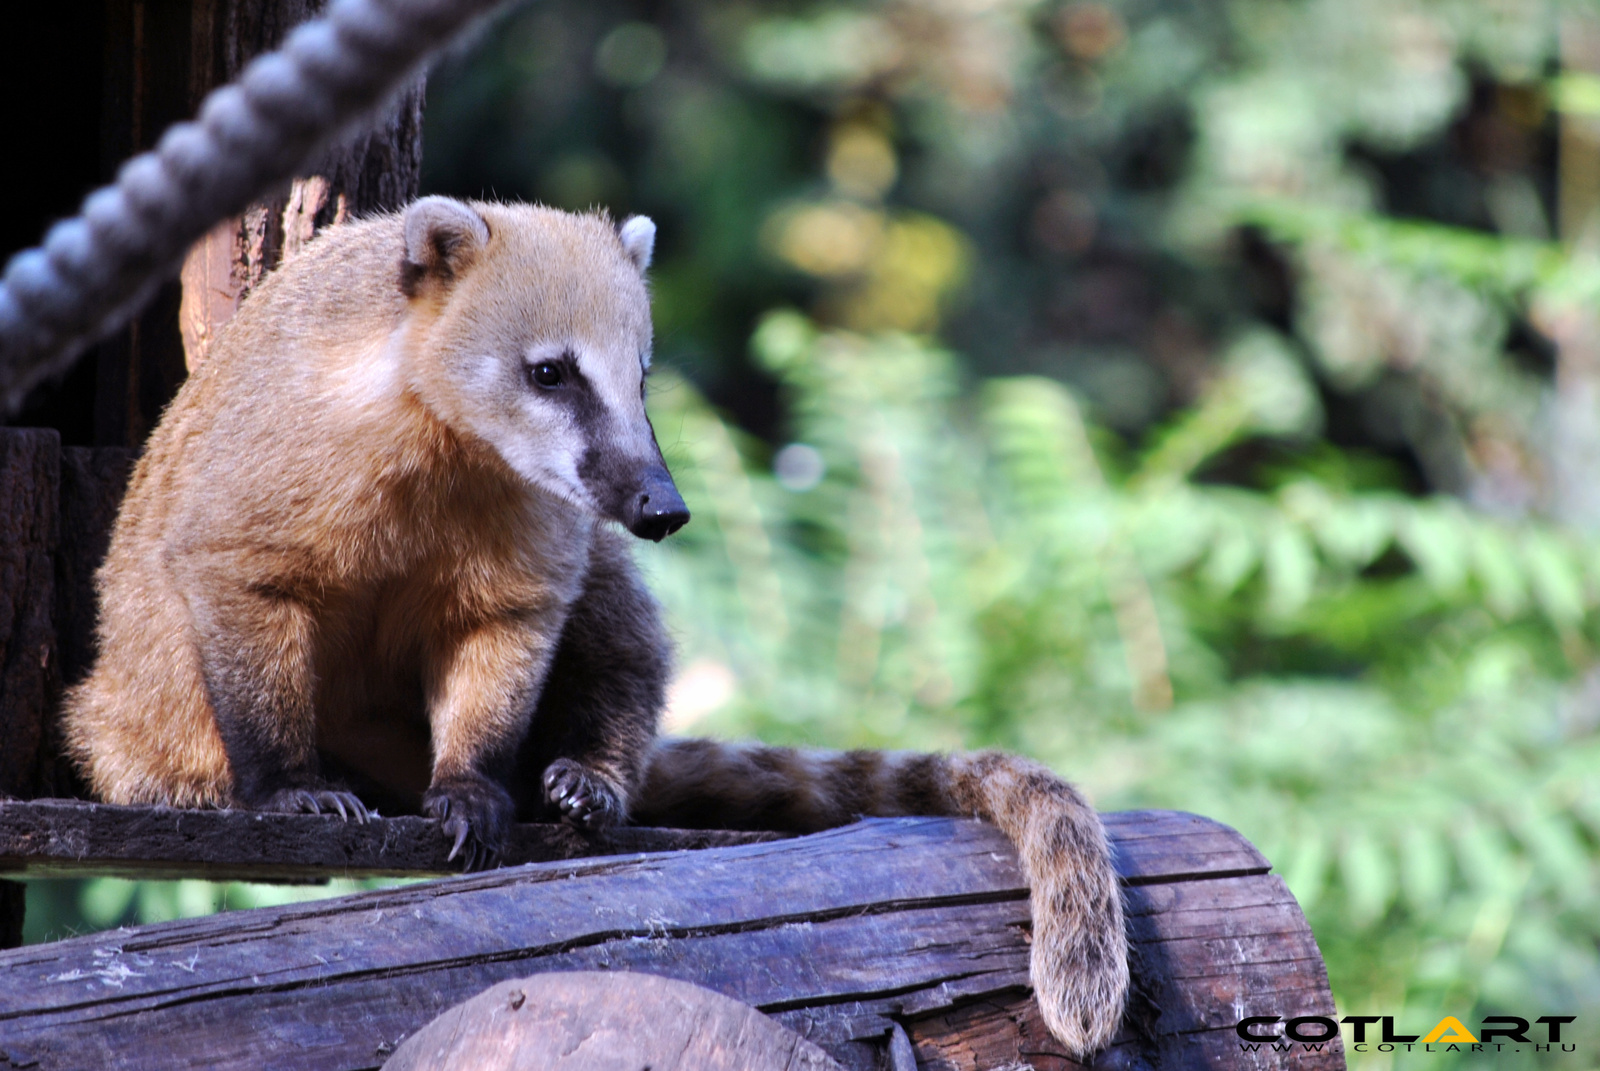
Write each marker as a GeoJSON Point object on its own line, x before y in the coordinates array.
{"type": "Point", "coordinates": [92, 482]}
{"type": "Point", "coordinates": [605, 1021]}
{"type": "Point", "coordinates": [846, 936]}
{"type": "Point", "coordinates": [30, 467]}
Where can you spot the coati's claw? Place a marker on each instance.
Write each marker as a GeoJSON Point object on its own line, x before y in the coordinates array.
{"type": "Point", "coordinates": [475, 813]}
{"type": "Point", "coordinates": [462, 831]}
{"type": "Point", "coordinates": [318, 801]}
{"type": "Point", "coordinates": [583, 797]}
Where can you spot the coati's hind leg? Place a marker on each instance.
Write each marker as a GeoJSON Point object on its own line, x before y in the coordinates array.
{"type": "Point", "coordinates": [1079, 959]}
{"type": "Point", "coordinates": [597, 714]}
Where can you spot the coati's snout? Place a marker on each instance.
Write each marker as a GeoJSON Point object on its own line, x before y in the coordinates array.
{"type": "Point", "coordinates": [656, 510]}
{"type": "Point", "coordinates": [640, 495]}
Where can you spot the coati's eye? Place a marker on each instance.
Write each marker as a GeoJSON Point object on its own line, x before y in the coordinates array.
{"type": "Point", "coordinates": [546, 374]}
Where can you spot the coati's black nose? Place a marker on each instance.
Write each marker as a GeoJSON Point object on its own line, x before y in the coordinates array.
{"type": "Point", "coordinates": [657, 510]}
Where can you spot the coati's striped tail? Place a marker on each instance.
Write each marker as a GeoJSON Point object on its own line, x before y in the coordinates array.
{"type": "Point", "coordinates": [1080, 952]}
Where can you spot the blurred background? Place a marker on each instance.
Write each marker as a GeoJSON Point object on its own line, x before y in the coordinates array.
{"type": "Point", "coordinates": [1202, 397]}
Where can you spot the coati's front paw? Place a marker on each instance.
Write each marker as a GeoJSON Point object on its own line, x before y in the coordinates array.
{"type": "Point", "coordinates": [475, 811]}
{"type": "Point", "coordinates": [583, 797]}
{"type": "Point", "coordinates": [317, 801]}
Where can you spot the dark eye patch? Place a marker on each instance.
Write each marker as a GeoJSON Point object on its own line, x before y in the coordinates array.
{"type": "Point", "coordinates": [555, 373]}
{"type": "Point", "coordinates": [560, 380]}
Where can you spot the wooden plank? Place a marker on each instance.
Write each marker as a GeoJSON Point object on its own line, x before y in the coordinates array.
{"type": "Point", "coordinates": [148, 79]}
{"type": "Point", "coordinates": [63, 837]}
{"type": "Point", "coordinates": [1003, 1033]}
{"type": "Point", "coordinates": [840, 935]}
{"type": "Point", "coordinates": [55, 838]}
{"type": "Point", "coordinates": [30, 466]}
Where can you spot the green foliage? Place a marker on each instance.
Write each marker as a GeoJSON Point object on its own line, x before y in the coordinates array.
{"type": "Point", "coordinates": [1376, 689]}
{"type": "Point", "coordinates": [58, 908]}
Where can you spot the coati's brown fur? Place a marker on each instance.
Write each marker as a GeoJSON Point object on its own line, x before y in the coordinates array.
{"type": "Point", "coordinates": [368, 538]}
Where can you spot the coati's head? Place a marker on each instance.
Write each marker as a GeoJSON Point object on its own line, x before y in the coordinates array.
{"type": "Point", "coordinates": [537, 339]}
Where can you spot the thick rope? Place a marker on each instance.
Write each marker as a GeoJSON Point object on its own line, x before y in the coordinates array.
{"type": "Point", "coordinates": [94, 272]}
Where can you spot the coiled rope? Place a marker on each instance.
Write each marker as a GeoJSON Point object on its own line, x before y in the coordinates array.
{"type": "Point", "coordinates": [94, 272]}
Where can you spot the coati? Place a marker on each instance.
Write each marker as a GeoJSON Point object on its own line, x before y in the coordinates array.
{"type": "Point", "coordinates": [370, 535]}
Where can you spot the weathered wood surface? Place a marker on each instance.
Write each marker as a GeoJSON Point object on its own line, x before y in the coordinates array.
{"type": "Point", "coordinates": [842, 936]}
{"type": "Point", "coordinates": [62, 838]}
{"type": "Point", "coordinates": [92, 482]}
{"type": "Point", "coordinates": [59, 838]}
{"type": "Point", "coordinates": [57, 506]}
{"type": "Point", "coordinates": [30, 471]}
{"type": "Point", "coordinates": [605, 1021]}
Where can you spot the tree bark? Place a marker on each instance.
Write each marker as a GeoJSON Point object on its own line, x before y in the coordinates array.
{"type": "Point", "coordinates": [30, 470]}
{"type": "Point", "coordinates": [162, 58]}
{"type": "Point", "coordinates": [374, 169]}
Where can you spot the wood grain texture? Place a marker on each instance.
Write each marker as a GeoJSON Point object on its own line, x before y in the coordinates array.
{"type": "Point", "coordinates": [840, 936]}
{"type": "Point", "coordinates": [1174, 845]}
{"type": "Point", "coordinates": [1203, 949]}
{"type": "Point", "coordinates": [45, 838]}
{"type": "Point", "coordinates": [58, 838]}
{"type": "Point", "coordinates": [30, 467]}
{"type": "Point", "coordinates": [605, 1021]}
{"type": "Point", "coordinates": [92, 482]}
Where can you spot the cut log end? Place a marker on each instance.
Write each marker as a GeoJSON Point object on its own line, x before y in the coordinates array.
{"type": "Point", "coordinates": [602, 1021]}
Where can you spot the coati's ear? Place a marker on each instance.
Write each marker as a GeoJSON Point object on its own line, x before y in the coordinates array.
{"type": "Point", "coordinates": [443, 236]}
{"type": "Point", "coordinates": [638, 234]}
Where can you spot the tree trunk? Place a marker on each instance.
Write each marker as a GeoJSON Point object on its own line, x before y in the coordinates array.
{"type": "Point", "coordinates": [163, 57]}
{"type": "Point", "coordinates": [374, 169]}
{"type": "Point", "coordinates": [30, 471]}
